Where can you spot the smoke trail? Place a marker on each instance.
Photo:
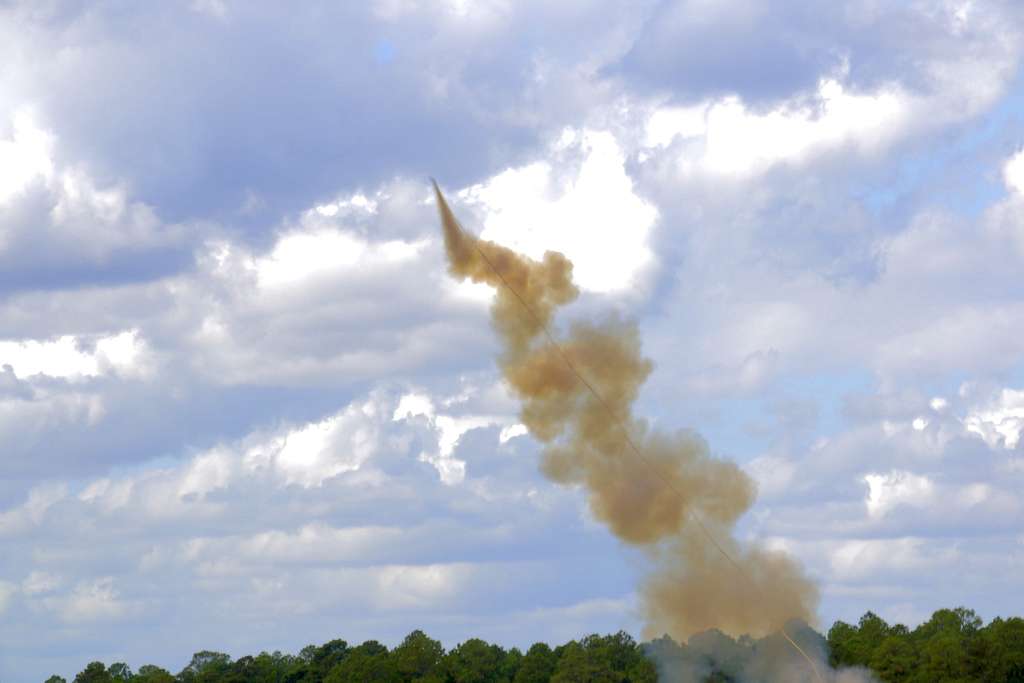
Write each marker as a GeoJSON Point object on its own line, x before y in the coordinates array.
{"type": "Point", "coordinates": [659, 501]}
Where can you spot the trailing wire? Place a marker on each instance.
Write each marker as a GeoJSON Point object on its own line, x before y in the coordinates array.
{"type": "Point", "coordinates": [691, 514]}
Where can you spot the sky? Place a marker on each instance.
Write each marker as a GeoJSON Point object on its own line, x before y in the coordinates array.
{"type": "Point", "coordinates": [244, 407]}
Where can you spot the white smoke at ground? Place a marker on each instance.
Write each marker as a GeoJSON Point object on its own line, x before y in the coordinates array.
{"type": "Point", "coordinates": [714, 657]}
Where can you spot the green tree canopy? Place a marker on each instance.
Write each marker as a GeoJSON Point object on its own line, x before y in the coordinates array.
{"type": "Point", "coordinates": [366, 663]}
{"type": "Point", "coordinates": [894, 659]}
{"type": "Point", "coordinates": [604, 659]}
{"type": "Point", "coordinates": [148, 673]}
{"type": "Point", "coordinates": [418, 658]}
{"type": "Point", "coordinates": [538, 665]}
{"type": "Point", "coordinates": [953, 646]}
{"type": "Point", "coordinates": [119, 671]}
{"type": "Point", "coordinates": [206, 665]}
{"type": "Point", "coordinates": [476, 661]}
{"type": "Point", "coordinates": [94, 672]}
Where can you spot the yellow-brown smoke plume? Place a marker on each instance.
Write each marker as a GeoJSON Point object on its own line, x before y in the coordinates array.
{"type": "Point", "coordinates": [662, 492]}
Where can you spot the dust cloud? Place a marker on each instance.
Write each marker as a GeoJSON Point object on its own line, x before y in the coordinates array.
{"type": "Point", "coordinates": [663, 492]}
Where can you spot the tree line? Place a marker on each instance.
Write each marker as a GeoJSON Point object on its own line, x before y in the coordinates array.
{"type": "Point", "coordinates": [418, 658]}
{"type": "Point", "coordinates": [952, 647]}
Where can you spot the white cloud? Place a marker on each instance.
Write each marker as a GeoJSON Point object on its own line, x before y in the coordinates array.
{"type": "Point", "coordinates": [755, 368]}
{"type": "Point", "coordinates": [773, 474]}
{"type": "Point", "coordinates": [40, 412]}
{"type": "Point", "coordinates": [732, 140]}
{"type": "Point", "coordinates": [317, 540]}
{"type": "Point", "coordinates": [126, 353]}
{"type": "Point", "coordinates": [727, 137]}
{"type": "Point", "coordinates": [418, 586]}
{"type": "Point", "coordinates": [69, 356]}
{"type": "Point", "coordinates": [205, 473]}
{"type": "Point", "coordinates": [452, 428]}
{"type": "Point", "coordinates": [90, 601]}
{"type": "Point", "coordinates": [667, 123]}
{"type": "Point", "coordinates": [7, 591]}
{"type": "Point", "coordinates": [751, 312]}
{"type": "Point", "coordinates": [571, 620]}
{"type": "Point", "coordinates": [1013, 172]}
{"type": "Point", "coordinates": [341, 443]}
{"type": "Point", "coordinates": [58, 358]}
{"type": "Point", "coordinates": [299, 255]}
{"type": "Point", "coordinates": [107, 493]}
{"type": "Point", "coordinates": [267, 330]}
{"type": "Point", "coordinates": [592, 215]}
{"type": "Point", "coordinates": [975, 494]}
{"type": "Point", "coordinates": [307, 455]}
{"type": "Point", "coordinates": [217, 9]}
{"type": "Point", "coordinates": [1001, 421]}
{"type": "Point", "coordinates": [512, 431]}
{"type": "Point", "coordinates": [61, 222]}
{"type": "Point", "coordinates": [858, 559]}
{"type": "Point", "coordinates": [248, 316]}
{"type": "Point", "coordinates": [387, 567]}
{"type": "Point", "coordinates": [27, 155]}
{"type": "Point", "coordinates": [39, 582]}
{"type": "Point", "coordinates": [353, 204]}
{"type": "Point", "coordinates": [413, 404]}
{"type": "Point", "coordinates": [449, 429]}
{"type": "Point", "coordinates": [40, 499]}
{"type": "Point", "coordinates": [887, 491]}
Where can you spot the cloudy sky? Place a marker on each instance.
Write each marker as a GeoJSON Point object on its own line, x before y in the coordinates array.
{"type": "Point", "coordinates": [243, 407]}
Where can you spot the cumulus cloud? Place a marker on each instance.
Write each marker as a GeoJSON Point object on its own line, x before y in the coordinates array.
{"type": "Point", "coordinates": [1013, 172]}
{"type": "Point", "coordinates": [59, 227]}
{"type": "Point", "coordinates": [885, 491]}
{"type": "Point", "coordinates": [592, 214]}
{"type": "Point", "coordinates": [344, 446]}
{"type": "Point", "coordinates": [935, 500]}
{"type": "Point", "coordinates": [231, 358]}
{"type": "Point", "coordinates": [90, 601]}
{"type": "Point", "coordinates": [26, 155]}
{"type": "Point", "coordinates": [450, 429]}
{"type": "Point", "coordinates": [31, 512]}
{"type": "Point", "coordinates": [694, 50]}
{"type": "Point", "coordinates": [63, 357]}
{"type": "Point", "coordinates": [726, 138]}
{"type": "Point", "coordinates": [346, 502]}
{"type": "Point", "coordinates": [215, 151]}
{"type": "Point", "coordinates": [857, 559]}
{"type": "Point", "coordinates": [1001, 421]}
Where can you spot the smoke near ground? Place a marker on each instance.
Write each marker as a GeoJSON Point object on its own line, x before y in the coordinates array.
{"type": "Point", "coordinates": [649, 501]}
{"type": "Point", "coordinates": [714, 656]}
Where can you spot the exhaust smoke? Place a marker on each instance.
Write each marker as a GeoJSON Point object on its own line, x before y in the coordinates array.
{"type": "Point", "coordinates": [662, 492]}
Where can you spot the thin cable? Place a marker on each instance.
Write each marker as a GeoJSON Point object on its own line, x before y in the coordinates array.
{"type": "Point", "coordinates": [691, 514]}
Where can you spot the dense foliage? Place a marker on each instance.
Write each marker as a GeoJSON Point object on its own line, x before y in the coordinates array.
{"type": "Point", "coordinates": [604, 659]}
{"type": "Point", "coordinates": [951, 647]}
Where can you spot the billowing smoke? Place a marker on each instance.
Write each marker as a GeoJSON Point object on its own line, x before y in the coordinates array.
{"type": "Point", "coordinates": [714, 656]}
{"type": "Point", "coordinates": [662, 492]}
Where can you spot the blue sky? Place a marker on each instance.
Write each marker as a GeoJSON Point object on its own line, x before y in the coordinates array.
{"type": "Point", "coordinates": [243, 407]}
